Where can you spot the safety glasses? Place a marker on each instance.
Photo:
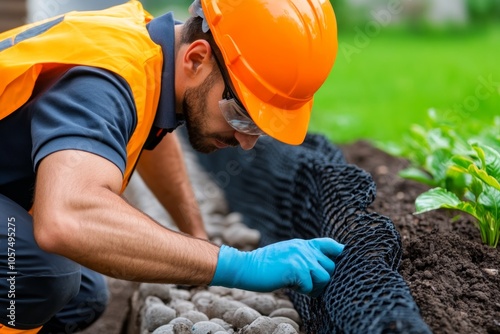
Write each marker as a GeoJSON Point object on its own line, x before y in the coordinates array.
{"type": "Point", "coordinates": [233, 111]}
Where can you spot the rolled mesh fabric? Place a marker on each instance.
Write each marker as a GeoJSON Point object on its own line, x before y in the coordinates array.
{"type": "Point", "coordinates": [310, 191]}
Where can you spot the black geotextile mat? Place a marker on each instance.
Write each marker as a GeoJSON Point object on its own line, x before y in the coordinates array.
{"type": "Point", "coordinates": [310, 191]}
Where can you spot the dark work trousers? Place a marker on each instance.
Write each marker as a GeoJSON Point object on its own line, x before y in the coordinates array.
{"type": "Point", "coordinates": [38, 288]}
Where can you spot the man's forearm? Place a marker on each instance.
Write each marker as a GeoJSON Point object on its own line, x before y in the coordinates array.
{"type": "Point", "coordinates": [117, 240]}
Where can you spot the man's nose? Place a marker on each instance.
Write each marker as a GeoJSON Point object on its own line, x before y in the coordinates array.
{"type": "Point", "coordinates": [247, 142]}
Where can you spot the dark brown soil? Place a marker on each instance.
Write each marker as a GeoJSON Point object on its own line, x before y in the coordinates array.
{"type": "Point", "coordinates": [448, 269]}
{"type": "Point", "coordinates": [450, 272]}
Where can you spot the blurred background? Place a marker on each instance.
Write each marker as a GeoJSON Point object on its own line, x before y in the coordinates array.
{"type": "Point", "coordinates": [396, 60]}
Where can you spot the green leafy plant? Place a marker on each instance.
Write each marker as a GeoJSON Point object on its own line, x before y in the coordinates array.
{"type": "Point", "coordinates": [430, 149]}
{"type": "Point", "coordinates": [482, 197]}
{"type": "Point", "coordinates": [463, 166]}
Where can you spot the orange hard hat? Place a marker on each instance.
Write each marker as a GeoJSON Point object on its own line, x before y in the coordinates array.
{"type": "Point", "coordinates": [278, 53]}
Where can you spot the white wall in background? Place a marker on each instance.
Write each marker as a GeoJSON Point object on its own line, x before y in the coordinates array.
{"type": "Point", "coordinates": [433, 11]}
{"type": "Point", "coordinates": [448, 11]}
{"type": "Point", "coordinates": [43, 9]}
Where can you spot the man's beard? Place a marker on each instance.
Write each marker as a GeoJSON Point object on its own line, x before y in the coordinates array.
{"type": "Point", "coordinates": [196, 117]}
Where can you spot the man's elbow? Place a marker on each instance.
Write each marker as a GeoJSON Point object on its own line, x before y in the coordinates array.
{"type": "Point", "coordinates": [54, 234]}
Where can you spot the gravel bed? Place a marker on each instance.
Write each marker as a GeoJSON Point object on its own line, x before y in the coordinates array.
{"type": "Point", "coordinates": [169, 309]}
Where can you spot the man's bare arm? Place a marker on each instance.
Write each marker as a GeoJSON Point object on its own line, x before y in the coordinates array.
{"type": "Point", "coordinates": [164, 172]}
{"type": "Point", "coordinates": [79, 214]}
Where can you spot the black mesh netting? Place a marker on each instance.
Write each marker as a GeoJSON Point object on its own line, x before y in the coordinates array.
{"type": "Point", "coordinates": [310, 191]}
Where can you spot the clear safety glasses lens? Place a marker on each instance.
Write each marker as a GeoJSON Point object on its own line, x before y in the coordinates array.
{"type": "Point", "coordinates": [238, 118]}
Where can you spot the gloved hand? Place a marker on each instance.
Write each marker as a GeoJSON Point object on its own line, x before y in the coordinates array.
{"type": "Point", "coordinates": [303, 265]}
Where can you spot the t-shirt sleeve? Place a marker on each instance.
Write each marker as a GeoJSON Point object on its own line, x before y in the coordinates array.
{"type": "Point", "coordinates": [87, 109]}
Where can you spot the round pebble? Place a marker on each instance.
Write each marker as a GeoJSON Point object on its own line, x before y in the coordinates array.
{"type": "Point", "coordinates": [220, 290]}
{"type": "Point", "coordinates": [202, 294]}
{"type": "Point", "coordinates": [288, 313]}
{"type": "Point", "coordinates": [150, 300]}
{"type": "Point", "coordinates": [263, 303]}
{"type": "Point", "coordinates": [181, 320]}
{"type": "Point", "coordinates": [240, 236]}
{"type": "Point", "coordinates": [161, 291]}
{"type": "Point", "coordinates": [234, 218]}
{"type": "Point", "coordinates": [239, 294]}
{"type": "Point", "coordinates": [284, 303]}
{"type": "Point", "coordinates": [218, 306]}
{"type": "Point", "coordinates": [261, 325]}
{"type": "Point", "coordinates": [157, 315]}
{"type": "Point", "coordinates": [244, 316]}
{"type": "Point", "coordinates": [182, 329]}
{"type": "Point", "coordinates": [285, 329]}
{"type": "Point", "coordinates": [227, 326]}
{"type": "Point", "coordinates": [180, 294]}
{"type": "Point", "coordinates": [165, 329]}
{"type": "Point", "coordinates": [206, 327]}
{"type": "Point", "coordinates": [182, 306]}
{"type": "Point", "coordinates": [228, 317]}
{"type": "Point", "coordinates": [283, 320]}
{"type": "Point", "coordinates": [195, 316]}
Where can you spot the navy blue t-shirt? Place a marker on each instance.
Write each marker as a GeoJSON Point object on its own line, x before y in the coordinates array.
{"type": "Point", "coordinates": [86, 109]}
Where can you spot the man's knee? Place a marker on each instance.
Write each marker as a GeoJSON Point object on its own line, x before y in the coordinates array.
{"type": "Point", "coordinates": [84, 309]}
{"type": "Point", "coordinates": [93, 298]}
{"type": "Point", "coordinates": [37, 298]}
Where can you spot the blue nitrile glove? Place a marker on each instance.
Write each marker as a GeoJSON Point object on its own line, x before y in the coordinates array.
{"type": "Point", "coordinates": [303, 265]}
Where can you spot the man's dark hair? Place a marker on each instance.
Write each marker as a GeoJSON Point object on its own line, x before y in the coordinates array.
{"type": "Point", "coordinates": [192, 31]}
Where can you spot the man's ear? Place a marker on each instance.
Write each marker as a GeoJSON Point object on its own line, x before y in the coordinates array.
{"type": "Point", "coordinates": [197, 59]}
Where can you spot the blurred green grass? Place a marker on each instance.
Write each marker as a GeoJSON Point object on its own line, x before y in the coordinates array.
{"type": "Point", "coordinates": [382, 84]}
{"type": "Point", "coordinates": [391, 80]}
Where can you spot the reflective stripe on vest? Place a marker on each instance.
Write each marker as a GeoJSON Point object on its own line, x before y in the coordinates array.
{"type": "Point", "coordinates": [115, 39]}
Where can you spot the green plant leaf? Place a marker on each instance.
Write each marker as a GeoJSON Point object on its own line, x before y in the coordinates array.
{"type": "Point", "coordinates": [490, 200]}
{"type": "Point", "coordinates": [488, 172]}
{"type": "Point", "coordinates": [438, 140]}
{"type": "Point", "coordinates": [417, 148]}
{"type": "Point", "coordinates": [438, 198]}
{"type": "Point", "coordinates": [419, 134]}
{"type": "Point", "coordinates": [490, 158]}
{"type": "Point", "coordinates": [437, 165]}
{"type": "Point", "coordinates": [476, 188]}
{"type": "Point", "coordinates": [416, 174]}
{"type": "Point", "coordinates": [457, 182]}
{"type": "Point", "coordinates": [461, 161]}
{"type": "Point", "coordinates": [488, 134]}
{"type": "Point", "coordinates": [392, 148]}
{"type": "Point", "coordinates": [488, 205]}
{"type": "Point", "coordinates": [459, 145]}
{"type": "Point", "coordinates": [483, 175]}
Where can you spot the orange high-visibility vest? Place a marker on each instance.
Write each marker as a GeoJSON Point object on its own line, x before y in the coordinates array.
{"type": "Point", "coordinates": [115, 39]}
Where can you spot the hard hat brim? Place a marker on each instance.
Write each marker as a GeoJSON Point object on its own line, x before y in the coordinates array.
{"type": "Point", "coordinates": [286, 125]}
